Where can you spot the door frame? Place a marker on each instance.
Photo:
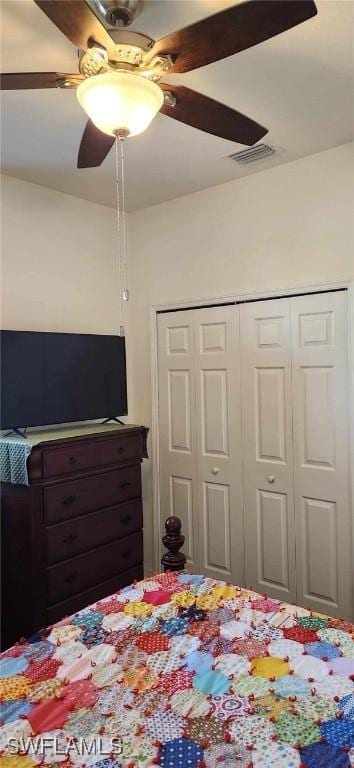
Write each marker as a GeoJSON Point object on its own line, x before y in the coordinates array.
{"type": "Point", "coordinates": [239, 298]}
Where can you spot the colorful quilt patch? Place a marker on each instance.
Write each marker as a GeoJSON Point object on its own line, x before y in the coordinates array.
{"type": "Point", "coordinates": [180, 753]}
{"type": "Point", "coordinates": [296, 730]}
{"type": "Point", "coordinates": [276, 754]}
{"type": "Point", "coordinates": [227, 707]}
{"type": "Point", "coordinates": [164, 726]}
{"type": "Point", "coordinates": [213, 682]}
{"type": "Point", "coordinates": [152, 642]}
{"type": "Point", "coordinates": [227, 756]}
{"type": "Point", "coordinates": [13, 710]}
{"type": "Point", "coordinates": [292, 686]}
{"type": "Point", "coordinates": [339, 732]}
{"type": "Point", "coordinates": [270, 667]}
{"type": "Point", "coordinates": [322, 650]}
{"type": "Point", "coordinates": [190, 704]}
{"type": "Point", "coordinates": [313, 622]}
{"type": "Point", "coordinates": [10, 667]}
{"type": "Point", "coordinates": [324, 756]}
{"type": "Point", "coordinates": [157, 597]}
{"type": "Point", "coordinates": [205, 731]}
{"type": "Point", "coordinates": [346, 705]}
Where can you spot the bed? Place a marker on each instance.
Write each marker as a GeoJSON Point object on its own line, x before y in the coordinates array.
{"type": "Point", "coordinates": [181, 671]}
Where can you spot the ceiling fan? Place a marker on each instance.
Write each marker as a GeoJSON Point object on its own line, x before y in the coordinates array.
{"type": "Point", "coordinates": [119, 79]}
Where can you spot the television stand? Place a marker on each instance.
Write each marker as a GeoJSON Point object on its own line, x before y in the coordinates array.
{"type": "Point", "coordinates": [17, 431]}
{"type": "Point", "coordinates": [113, 418]}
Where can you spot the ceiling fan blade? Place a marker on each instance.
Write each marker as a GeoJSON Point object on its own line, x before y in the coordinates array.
{"type": "Point", "coordinates": [199, 111]}
{"type": "Point", "coordinates": [77, 21]}
{"type": "Point", "coordinates": [13, 81]}
{"type": "Point", "coordinates": [94, 147]}
{"type": "Point", "coordinates": [231, 31]}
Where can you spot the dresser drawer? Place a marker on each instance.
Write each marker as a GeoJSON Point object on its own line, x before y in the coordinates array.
{"type": "Point", "coordinates": [65, 540]}
{"type": "Point", "coordinates": [74, 458]}
{"type": "Point", "coordinates": [80, 573]}
{"type": "Point", "coordinates": [98, 592]}
{"type": "Point", "coordinates": [75, 497]}
{"type": "Point", "coordinates": [120, 449]}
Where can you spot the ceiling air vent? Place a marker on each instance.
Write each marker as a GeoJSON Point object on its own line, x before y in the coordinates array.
{"type": "Point", "coordinates": [252, 154]}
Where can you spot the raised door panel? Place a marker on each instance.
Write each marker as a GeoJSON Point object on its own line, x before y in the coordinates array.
{"type": "Point", "coordinates": [181, 504]}
{"type": "Point", "coordinates": [316, 328]}
{"type": "Point", "coordinates": [270, 332]}
{"type": "Point", "coordinates": [218, 419]}
{"type": "Point", "coordinates": [267, 447]}
{"type": "Point", "coordinates": [321, 452]}
{"type": "Point", "coordinates": [318, 530]}
{"type": "Point", "coordinates": [179, 411]}
{"type": "Point", "coordinates": [216, 526]}
{"type": "Point", "coordinates": [178, 340]}
{"type": "Point", "coordinates": [213, 392]}
{"type": "Point", "coordinates": [317, 416]}
{"type": "Point", "coordinates": [272, 537]}
{"type": "Point", "coordinates": [271, 414]}
{"type": "Point", "coordinates": [177, 426]}
{"type": "Point", "coordinates": [212, 336]}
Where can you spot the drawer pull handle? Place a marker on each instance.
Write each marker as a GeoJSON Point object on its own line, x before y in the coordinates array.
{"type": "Point", "coordinates": [72, 460]}
{"type": "Point", "coordinates": [126, 554]}
{"type": "Point", "coordinates": [70, 577]}
{"type": "Point", "coordinates": [120, 449]}
{"type": "Point", "coordinates": [124, 484]}
{"type": "Point", "coordinates": [70, 538]}
{"type": "Point", "coordinates": [69, 500]}
{"type": "Point", "coordinates": [126, 519]}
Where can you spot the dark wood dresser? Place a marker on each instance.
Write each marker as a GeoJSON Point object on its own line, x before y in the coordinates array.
{"type": "Point", "coordinates": [75, 533]}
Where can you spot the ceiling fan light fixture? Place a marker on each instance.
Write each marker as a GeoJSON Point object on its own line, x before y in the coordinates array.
{"type": "Point", "coordinates": [120, 101]}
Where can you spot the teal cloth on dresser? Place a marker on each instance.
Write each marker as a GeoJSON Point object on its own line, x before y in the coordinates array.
{"type": "Point", "coordinates": [14, 453]}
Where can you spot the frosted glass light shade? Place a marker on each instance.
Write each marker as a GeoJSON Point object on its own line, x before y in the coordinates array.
{"type": "Point", "coordinates": [120, 100]}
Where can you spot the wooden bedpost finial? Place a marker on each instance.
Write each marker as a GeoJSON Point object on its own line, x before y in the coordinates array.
{"type": "Point", "coordinates": [173, 540]}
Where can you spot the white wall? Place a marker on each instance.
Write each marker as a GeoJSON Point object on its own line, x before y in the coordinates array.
{"type": "Point", "coordinates": [57, 257]}
{"type": "Point", "coordinates": [286, 227]}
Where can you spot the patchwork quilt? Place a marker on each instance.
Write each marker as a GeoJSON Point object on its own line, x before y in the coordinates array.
{"type": "Point", "coordinates": [181, 671]}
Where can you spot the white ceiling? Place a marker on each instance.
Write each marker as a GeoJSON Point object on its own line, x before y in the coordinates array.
{"type": "Point", "coordinates": [299, 84]}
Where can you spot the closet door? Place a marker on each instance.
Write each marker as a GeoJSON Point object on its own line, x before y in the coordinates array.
{"type": "Point", "coordinates": [177, 425]}
{"type": "Point", "coordinates": [220, 509]}
{"type": "Point", "coordinates": [321, 452]}
{"type": "Point", "coordinates": [267, 448]}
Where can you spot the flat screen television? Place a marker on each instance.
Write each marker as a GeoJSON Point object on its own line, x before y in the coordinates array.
{"type": "Point", "coordinates": [56, 378]}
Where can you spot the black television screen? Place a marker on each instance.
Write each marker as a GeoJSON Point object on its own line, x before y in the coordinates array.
{"type": "Point", "coordinates": [53, 378]}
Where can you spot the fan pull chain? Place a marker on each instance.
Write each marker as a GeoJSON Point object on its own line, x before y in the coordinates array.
{"type": "Point", "coordinates": [121, 327]}
{"type": "Point", "coordinates": [121, 227]}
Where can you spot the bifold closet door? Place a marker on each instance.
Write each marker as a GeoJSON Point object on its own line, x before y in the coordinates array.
{"type": "Point", "coordinates": [200, 436]}
{"type": "Point", "coordinates": [321, 452]}
{"type": "Point", "coordinates": [267, 447]}
{"type": "Point", "coordinates": [177, 426]}
{"type": "Point", "coordinates": [220, 508]}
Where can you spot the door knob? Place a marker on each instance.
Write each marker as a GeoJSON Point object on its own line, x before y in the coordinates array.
{"type": "Point", "coordinates": [270, 478]}
{"type": "Point", "coordinates": [215, 470]}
